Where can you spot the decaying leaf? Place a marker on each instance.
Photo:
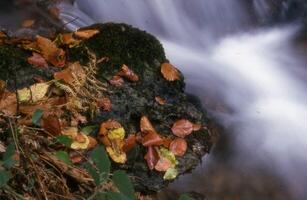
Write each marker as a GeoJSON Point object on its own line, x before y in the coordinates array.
{"type": "Point", "coordinates": [178, 146]}
{"type": "Point", "coordinates": [93, 142]}
{"type": "Point", "coordinates": [118, 133]}
{"type": "Point", "coordinates": [75, 158]}
{"type": "Point", "coordinates": [169, 72]}
{"type": "Point", "coordinates": [151, 157]}
{"type": "Point", "coordinates": [81, 141]}
{"type": "Point", "coordinates": [35, 93]}
{"type": "Point", "coordinates": [160, 100]}
{"type": "Point", "coordinates": [51, 52]}
{"type": "Point", "coordinates": [104, 103]}
{"type": "Point", "coordinates": [73, 74]}
{"type": "Point", "coordinates": [163, 152]}
{"type": "Point", "coordinates": [182, 128]}
{"type": "Point", "coordinates": [28, 23]}
{"type": "Point", "coordinates": [8, 103]}
{"type": "Point", "coordinates": [117, 81]}
{"type": "Point", "coordinates": [37, 60]}
{"type": "Point", "coordinates": [128, 73]}
{"type": "Point", "coordinates": [118, 157]}
{"type": "Point", "coordinates": [197, 127]}
{"type": "Point", "coordinates": [170, 174]}
{"type": "Point", "coordinates": [86, 34]}
{"type": "Point", "coordinates": [68, 39]}
{"type": "Point", "coordinates": [108, 125]}
{"type": "Point", "coordinates": [152, 138]}
{"type": "Point", "coordinates": [130, 143]}
{"type": "Point", "coordinates": [163, 164]}
{"type": "Point", "coordinates": [146, 126]}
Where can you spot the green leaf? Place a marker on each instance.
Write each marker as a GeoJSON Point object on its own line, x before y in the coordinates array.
{"type": "Point", "coordinates": [101, 196]}
{"type": "Point", "coordinates": [63, 156]}
{"type": "Point", "coordinates": [4, 177]}
{"type": "Point", "coordinates": [8, 156]}
{"type": "Point", "coordinates": [123, 183]}
{"type": "Point", "coordinates": [88, 129]}
{"type": "Point", "coordinates": [101, 159]}
{"type": "Point", "coordinates": [93, 172]}
{"type": "Point", "coordinates": [185, 197]}
{"type": "Point", "coordinates": [36, 118]}
{"type": "Point", "coordinates": [64, 139]}
{"type": "Point", "coordinates": [170, 174]}
{"type": "Point", "coordinates": [116, 196]}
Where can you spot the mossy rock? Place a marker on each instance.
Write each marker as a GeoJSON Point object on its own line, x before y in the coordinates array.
{"type": "Point", "coordinates": [144, 54]}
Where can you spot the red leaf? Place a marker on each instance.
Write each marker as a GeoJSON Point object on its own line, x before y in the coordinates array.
{"type": "Point", "coordinates": [152, 138]}
{"type": "Point", "coordinates": [182, 128]}
{"type": "Point", "coordinates": [178, 147]}
{"type": "Point", "coordinates": [51, 124]}
{"type": "Point", "coordinates": [130, 143]}
{"type": "Point", "coordinates": [37, 60]}
{"type": "Point", "coordinates": [151, 157]}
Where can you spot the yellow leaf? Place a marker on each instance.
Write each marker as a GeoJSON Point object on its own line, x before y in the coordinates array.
{"type": "Point", "coordinates": [118, 133]}
{"type": "Point", "coordinates": [118, 157]}
{"type": "Point", "coordinates": [170, 174]}
{"type": "Point", "coordinates": [81, 145]}
{"type": "Point", "coordinates": [35, 93]}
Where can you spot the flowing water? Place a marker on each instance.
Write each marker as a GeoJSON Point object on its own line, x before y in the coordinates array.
{"type": "Point", "coordinates": [255, 72]}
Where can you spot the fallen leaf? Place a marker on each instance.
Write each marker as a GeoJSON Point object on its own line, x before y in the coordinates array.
{"type": "Point", "coordinates": [117, 81]}
{"type": "Point", "coordinates": [146, 126]}
{"type": "Point", "coordinates": [105, 140]}
{"type": "Point", "coordinates": [170, 174]}
{"type": "Point", "coordinates": [197, 127]}
{"type": "Point", "coordinates": [118, 157]}
{"type": "Point", "coordinates": [166, 142]}
{"type": "Point", "coordinates": [182, 128]}
{"type": "Point", "coordinates": [86, 34]}
{"type": "Point", "coordinates": [169, 72]}
{"type": "Point", "coordinates": [73, 74]}
{"type": "Point", "coordinates": [8, 103]}
{"type": "Point", "coordinates": [80, 142]}
{"type": "Point", "coordinates": [151, 157]}
{"type": "Point", "coordinates": [151, 139]}
{"type": "Point", "coordinates": [160, 100]}
{"type": "Point", "coordinates": [178, 146]}
{"type": "Point", "coordinates": [108, 125]}
{"type": "Point", "coordinates": [128, 73]}
{"type": "Point", "coordinates": [80, 138]}
{"type": "Point", "coordinates": [35, 93]}
{"type": "Point", "coordinates": [118, 133]}
{"type": "Point", "coordinates": [68, 39]}
{"type": "Point", "coordinates": [70, 131]}
{"type": "Point", "coordinates": [76, 158]}
{"type": "Point", "coordinates": [130, 143]}
{"type": "Point", "coordinates": [163, 164]}
{"type": "Point", "coordinates": [3, 35]}
{"type": "Point", "coordinates": [28, 23]}
{"type": "Point", "coordinates": [93, 142]}
{"type": "Point", "coordinates": [163, 152]}
{"type": "Point", "coordinates": [104, 103]}
{"type": "Point", "coordinates": [37, 60]}
{"type": "Point", "coordinates": [51, 52]}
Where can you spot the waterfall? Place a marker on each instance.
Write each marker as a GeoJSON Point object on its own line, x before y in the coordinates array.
{"type": "Point", "coordinates": [256, 72]}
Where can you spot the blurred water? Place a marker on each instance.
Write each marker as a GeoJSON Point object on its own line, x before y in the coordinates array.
{"type": "Point", "coordinates": [255, 72]}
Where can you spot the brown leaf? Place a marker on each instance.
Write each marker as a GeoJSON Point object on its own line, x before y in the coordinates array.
{"type": "Point", "coordinates": [151, 157]}
{"type": "Point", "coordinates": [37, 60]}
{"type": "Point", "coordinates": [197, 127]}
{"type": "Point", "coordinates": [105, 104]}
{"type": "Point", "coordinates": [169, 72]}
{"type": "Point", "coordinates": [76, 158]}
{"type": "Point", "coordinates": [86, 34]}
{"type": "Point", "coordinates": [8, 103]}
{"type": "Point", "coordinates": [163, 164]}
{"type": "Point", "coordinates": [152, 138]}
{"type": "Point", "coordinates": [128, 73]}
{"type": "Point", "coordinates": [160, 100]}
{"type": "Point", "coordinates": [93, 142]}
{"type": "Point", "coordinates": [146, 126]}
{"type": "Point", "coordinates": [2, 34]}
{"type": "Point", "coordinates": [74, 72]}
{"type": "Point", "coordinates": [108, 125]}
{"type": "Point", "coordinates": [182, 128]}
{"type": "Point", "coordinates": [117, 81]}
{"type": "Point", "coordinates": [105, 141]}
{"type": "Point", "coordinates": [81, 138]}
{"type": "Point", "coordinates": [51, 124]}
{"type": "Point", "coordinates": [51, 52]}
{"type": "Point", "coordinates": [28, 23]}
{"type": "Point", "coordinates": [178, 147]}
{"type": "Point", "coordinates": [166, 142]}
{"type": "Point", "coordinates": [130, 143]}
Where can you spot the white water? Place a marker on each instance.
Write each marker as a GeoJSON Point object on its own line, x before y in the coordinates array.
{"type": "Point", "coordinates": [254, 73]}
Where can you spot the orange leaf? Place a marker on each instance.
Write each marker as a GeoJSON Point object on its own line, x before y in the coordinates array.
{"type": "Point", "coordinates": [169, 72]}
{"type": "Point", "coordinates": [128, 73]}
{"type": "Point", "coordinates": [93, 142]}
{"type": "Point", "coordinates": [51, 124]}
{"type": "Point", "coordinates": [166, 142]}
{"type": "Point", "coordinates": [86, 34]}
{"type": "Point", "coordinates": [37, 60]}
{"type": "Point", "coordinates": [76, 158]}
{"type": "Point", "coordinates": [105, 140]}
{"type": "Point", "coordinates": [68, 75]}
{"type": "Point", "coordinates": [160, 100]}
{"type": "Point", "coordinates": [80, 138]}
{"type": "Point", "coordinates": [8, 103]}
{"type": "Point", "coordinates": [105, 104]}
{"type": "Point", "coordinates": [28, 23]}
{"type": "Point", "coordinates": [108, 125]}
{"type": "Point", "coordinates": [197, 127]}
{"type": "Point", "coordinates": [130, 143]}
{"type": "Point", "coordinates": [151, 157]}
{"type": "Point", "coordinates": [117, 81]}
{"type": "Point", "coordinates": [152, 138]}
{"type": "Point", "coordinates": [182, 128]}
{"type": "Point", "coordinates": [178, 147]}
{"type": "Point", "coordinates": [51, 52]}
{"type": "Point", "coordinates": [146, 126]}
{"type": "Point", "coordinates": [163, 164]}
